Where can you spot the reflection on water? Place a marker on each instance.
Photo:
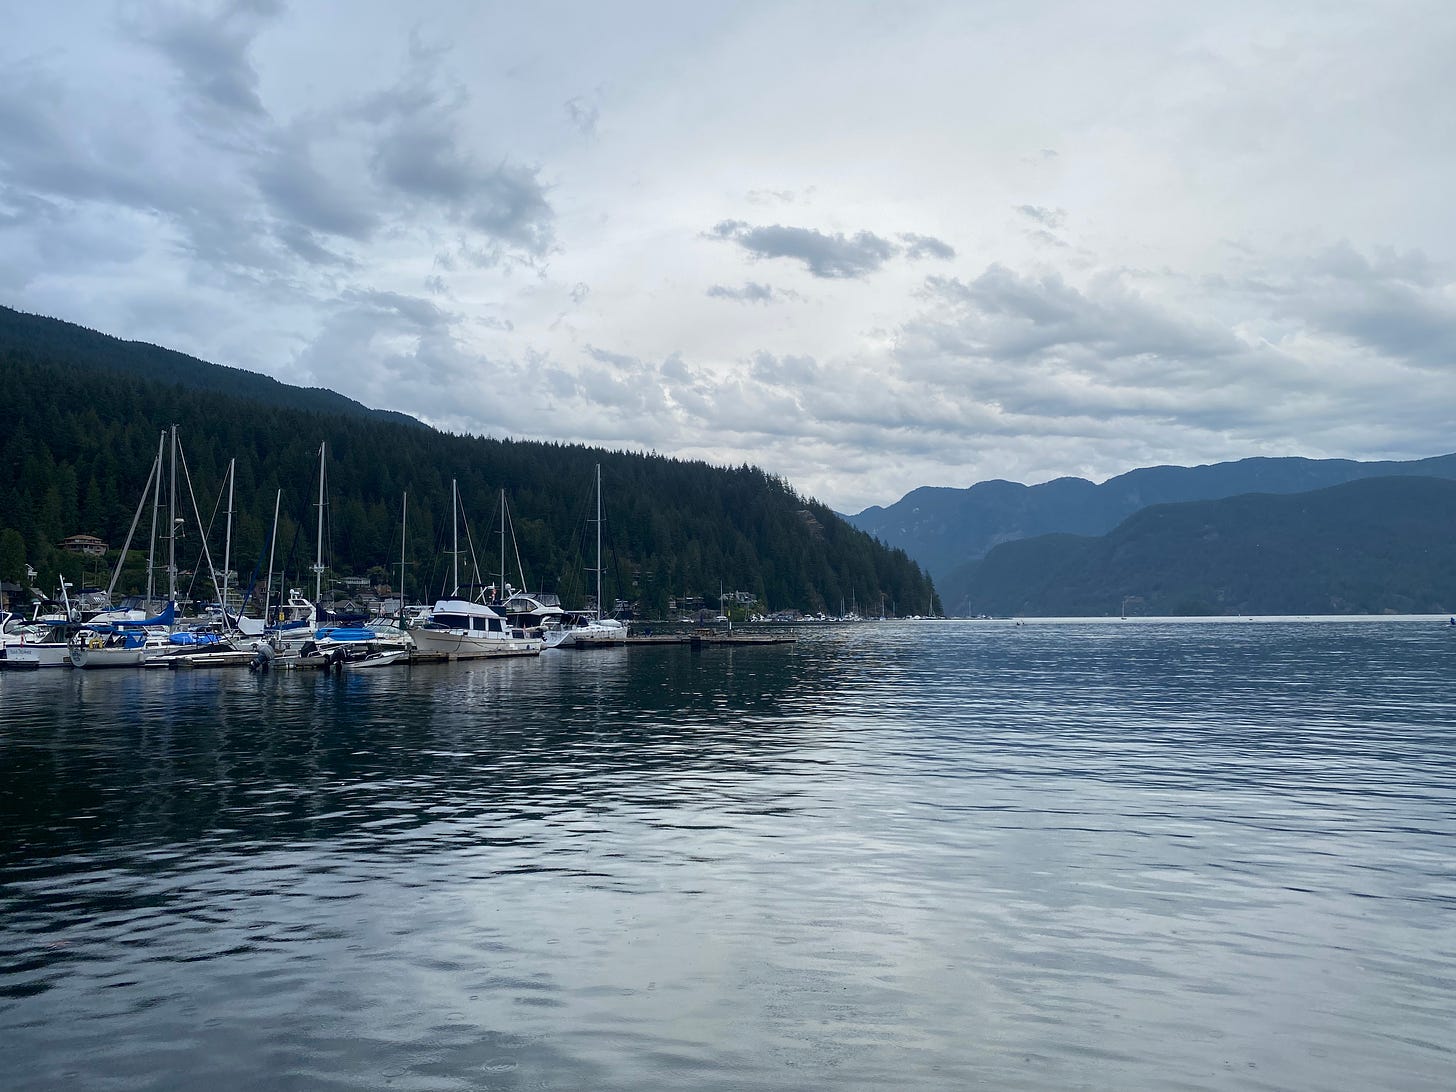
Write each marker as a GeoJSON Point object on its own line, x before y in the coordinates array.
{"type": "Point", "coordinates": [897, 855]}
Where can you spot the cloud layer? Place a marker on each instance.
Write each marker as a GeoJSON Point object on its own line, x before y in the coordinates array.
{"type": "Point", "coordinates": [868, 255]}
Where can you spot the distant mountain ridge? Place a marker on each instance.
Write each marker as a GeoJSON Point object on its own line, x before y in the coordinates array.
{"type": "Point", "coordinates": [1371, 546]}
{"type": "Point", "coordinates": [67, 342]}
{"type": "Point", "coordinates": [944, 528]}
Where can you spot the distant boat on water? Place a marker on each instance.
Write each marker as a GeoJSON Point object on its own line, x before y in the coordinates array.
{"type": "Point", "coordinates": [463, 629]}
{"type": "Point", "coordinates": [589, 630]}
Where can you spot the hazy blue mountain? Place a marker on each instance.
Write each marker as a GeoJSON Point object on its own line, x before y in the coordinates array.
{"type": "Point", "coordinates": [943, 529]}
{"type": "Point", "coordinates": [1364, 547]}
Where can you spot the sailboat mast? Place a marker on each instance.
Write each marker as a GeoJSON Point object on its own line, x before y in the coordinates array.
{"type": "Point", "coordinates": [227, 546]}
{"type": "Point", "coordinates": [156, 507]}
{"type": "Point", "coordinates": [599, 542]}
{"type": "Point", "coordinates": [272, 545]}
{"type": "Point", "coordinates": [403, 524]}
{"type": "Point", "coordinates": [318, 565]}
{"type": "Point", "coordinates": [172, 536]}
{"type": "Point", "coordinates": [125, 546]}
{"type": "Point", "coordinates": [455, 536]}
{"type": "Point", "coordinates": [501, 591]}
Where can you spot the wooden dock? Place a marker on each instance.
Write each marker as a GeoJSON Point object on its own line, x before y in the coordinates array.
{"type": "Point", "coordinates": [418, 657]}
{"type": "Point", "coordinates": [701, 639]}
{"type": "Point", "coordinates": [739, 639]}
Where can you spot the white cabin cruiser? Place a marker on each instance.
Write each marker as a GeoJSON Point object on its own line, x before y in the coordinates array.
{"type": "Point", "coordinates": [464, 630]}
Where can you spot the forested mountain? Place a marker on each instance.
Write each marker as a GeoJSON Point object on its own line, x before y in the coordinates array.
{"type": "Point", "coordinates": [943, 529]}
{"type": "Point", "coordinates": [65, 342]}
{"type": "Point", "coordinates": [84, 413]}
{"type": "Point", "coordinates": [1366, 547]}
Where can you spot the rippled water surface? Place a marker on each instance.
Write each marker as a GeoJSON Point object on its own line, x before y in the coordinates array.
{"type": "Point", "coordinates": [922, 856]}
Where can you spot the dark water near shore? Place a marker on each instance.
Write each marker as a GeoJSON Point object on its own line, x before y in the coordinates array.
{"type": "Point", "coordinates": [923, 856]}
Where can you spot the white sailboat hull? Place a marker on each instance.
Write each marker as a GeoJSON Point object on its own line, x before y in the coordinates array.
{"type": "Point", "coordinates": [91, 659]}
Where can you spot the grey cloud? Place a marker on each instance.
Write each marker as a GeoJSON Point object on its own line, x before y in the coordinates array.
{"type": "Point", "coordinates": [619, 361]}
{"type": "Point", "coordinates": [510, 204]}
{"type": "Point", "coordinates": [780, 197]}
{"type": "Point", "coordinates": [926, 246]}
{"type": "Point", "coordinates": [829, 256]}
{"type": "Point", "coordinates": [210, 53]}
{"type": "Point", "coordinates": [45, 152]}
{"type": "Point", "coordinates": [1046, 237]}
{"type": "Point", "coordinates": [1047, 218]}
{"type": "Point", "coordinates": [306, 245]}
{"type": "Point", "coordinates": [419, 313]}
{"type": "Point", "coordinates": [789, 370]}
{"type": "Point", "coordinates": [584, 118]}
{"type": "Point", "coordinates": [298, 191]}
{"type": "Point", "coordinates": [1394, 320]}
{"type": "Point", "coordinates": [1099, 365]}
{"type": "Point", "coordinates": [18, 208]}
{"type": "Point", "coordinates": [1003, 314]}
{"type": "Point", "coordinates": [372, 342]}
{"type": "Point", "coordinates": [421, 159]}
{"type": "Point", "coordinates": [1346, 263]}
{"type": "Point", "coordinates": [626, 386]}
{"type": "Point", "coordinates": [418, 152]}
{"type": "Point", "coordinates": [751, 292]}
{"type": "Point", "coordinates": [1398, 305]}
{"type": "Point", "coordinates": [85, 160]}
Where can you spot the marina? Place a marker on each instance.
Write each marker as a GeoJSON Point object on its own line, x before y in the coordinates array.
{"type": "Point", "coordinates": [472, 622]}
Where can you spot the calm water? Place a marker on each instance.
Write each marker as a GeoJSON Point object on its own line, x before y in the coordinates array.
{"type": "Point", "coordinates": [924, 856]}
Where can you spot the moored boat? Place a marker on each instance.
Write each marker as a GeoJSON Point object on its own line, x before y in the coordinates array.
{"type": "Point", "coordinates": [588, 630]}
{"type": "Point", "coordinates": [583, 631]}
{"type": "Point", "coordinates": [464, 630]}
{"type": "Point", "coordinates": [123, 644]}
{"type": "Point", "coordinates": [39, 646]}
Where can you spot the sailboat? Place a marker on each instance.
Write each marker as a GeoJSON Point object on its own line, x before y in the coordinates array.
{"type": "Point", "coordinates": [292, 621]}
{"type": "Point", "coordinates": [128, 641]}
{"type": "Point", "coordinates": [531, 612]}
{"type": "Point", "coordinates": [136, 608]}
{"type": "Point", "coordinates": [464, 629]}
{"type": "Point", "coordinates": [589, 631]}
{"type": "Point", "coordinates": [42, 642]}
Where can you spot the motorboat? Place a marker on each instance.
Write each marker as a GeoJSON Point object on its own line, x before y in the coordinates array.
{"type": "Point", "coordinates": [463, 630]}
{"type": "Point", "coordinates": [584, 631]}
{"type": "Point", "coordinates": [531, 612]}
{"type": "Point", "coordinates": [32, 646]}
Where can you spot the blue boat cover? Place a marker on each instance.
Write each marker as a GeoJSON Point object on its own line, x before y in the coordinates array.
{"type": "Point", "coordinates": [347, 633]}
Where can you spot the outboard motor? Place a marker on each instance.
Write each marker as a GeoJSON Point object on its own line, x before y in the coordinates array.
{"type": "Point", "coordinates": [262, 658]}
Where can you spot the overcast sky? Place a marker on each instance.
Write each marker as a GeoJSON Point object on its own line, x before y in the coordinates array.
{"type": "Point", "coordinates": [866, 247]}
